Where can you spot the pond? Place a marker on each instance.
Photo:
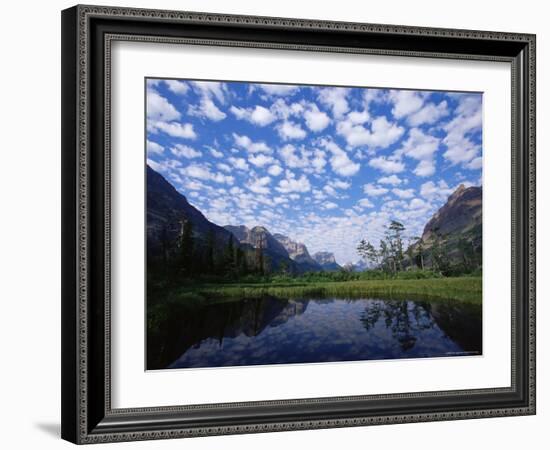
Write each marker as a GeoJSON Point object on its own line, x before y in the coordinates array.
{"type": "Point", "coordinates": [271, 330]}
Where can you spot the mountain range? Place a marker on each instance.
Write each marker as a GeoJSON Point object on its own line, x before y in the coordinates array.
{"type": "Point", "coordinates": [168, 210]}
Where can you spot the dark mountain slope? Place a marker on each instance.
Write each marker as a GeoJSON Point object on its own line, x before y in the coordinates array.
{"type": "Point", "coordinates": [167, 211]}
{"type": "Point", "coordinates": [461, 214]}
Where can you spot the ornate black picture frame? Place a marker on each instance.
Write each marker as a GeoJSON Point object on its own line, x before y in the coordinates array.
{"type": "Point", "coordinates": [87, 35]}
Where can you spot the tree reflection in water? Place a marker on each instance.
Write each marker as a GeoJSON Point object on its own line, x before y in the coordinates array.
{"type": "Point", "coordinates": [405, 319]}
{"type": "Point", "coordinates": [272, 330]}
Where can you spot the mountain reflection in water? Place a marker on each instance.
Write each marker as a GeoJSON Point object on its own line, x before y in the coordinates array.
{"type": "Point", "coordinates": [271, 330]}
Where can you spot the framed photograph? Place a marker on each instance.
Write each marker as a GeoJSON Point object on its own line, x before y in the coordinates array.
{"type": "Point", "coordinates": [279, 224]}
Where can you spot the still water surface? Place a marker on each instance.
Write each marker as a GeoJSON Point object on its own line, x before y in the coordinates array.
{"type": "Point", "coordinates": [271, 330]}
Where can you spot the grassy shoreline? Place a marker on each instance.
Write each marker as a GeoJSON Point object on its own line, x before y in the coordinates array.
{"type": "Point", "coordinates": [464, 289]}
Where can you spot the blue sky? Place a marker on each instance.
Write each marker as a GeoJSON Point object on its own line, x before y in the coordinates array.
{"type": "Point", "coordinates": [326, 166]}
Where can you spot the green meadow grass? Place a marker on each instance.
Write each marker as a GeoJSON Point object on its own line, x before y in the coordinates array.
{"type": "Point", "coordinates": [465, 289]}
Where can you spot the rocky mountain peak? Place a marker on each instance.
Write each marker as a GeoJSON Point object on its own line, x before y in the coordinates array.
{"type": "Point", "coordinates": [293, 248]}
{"type": "Point", "coordinates": [258, 229]}
{"type": "Point", "coordinates": [460, 213]}
{"type": "Point", "coordinates": [327, 261]}
{"type": "Point", "coordinates": [256, 237]}
{"type": "Point", "coordinates": [324, 258]}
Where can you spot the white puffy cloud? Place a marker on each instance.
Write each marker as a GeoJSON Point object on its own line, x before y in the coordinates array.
{"type": "Point", "coordinates": [177, 87]}
{"type": "Point", "coordinates": [206, 109]}
{"type": "Point", "coordinates": [258, 115]}
{"type": "Point", "coordinates": [340, 184]}
{"type": "Point", "coordinates": [215, 153]}
{"type": "Point", "coordinates": [428, 114]}
{"type": "Point", "coordinates": [289, 130]}
{"type": "Point", "coordinates": [204, 173]}
{"type": "Point", "coordinates": [387, 165]}
{"type": "Point", "coordinates": [329, 205]}
{"type": "Point", "coordinates": [425, 168]}
{"type": "Point", "coordinates": [260, 160]}
{"type": "Point", "coordinates": [358, 117]}
{"type": "Point", "coordinates": [278, 89]}
{"type": "Point", "coordinates": [391, 179]}
{"type": "Point", "coordinates": [331, 190]}
{"type": "Point", "coordinates": [340, 161]}
{"type": "Point", "coordinates": [252, 147]}
{"type": "Point", "coordinates": [283, 111]}
{"type": "Point", "coordinates": [418, 203]}
{"type": "Point", "coordinates": [311, 161]}
{"type": "Point", "coordinates": [475, 163]}
{"type": "Point", "coordinates": [293, 160]}
{"type": "Point", "coordinates": [210, 89]}
{"type": "Point", "coordinates": [461, 151]}
{"type": "Point", "coordinates": [421, 147]}
{"type": "Point", "coordinates": [373, 190]}
{"type": "Point", "coordinates": [381, 133]}
{"type": "Point", "coordinates": [160, 109]}
{"type": "Point", "coordinates": [194, 185]}
{"type": "Point", "coordinates": [316, 120]}
{"type": "Point", "coordinates": [153, 147]}
{"type": "Point", "coordinates": [405, 102]}
{"type": "Point", "coordinates": [185, 151]}
{"type": "Point", "coordinates": [365, 203]}
{"type": "Point", "coordinates": [174, 129]}
{"type": "Point", "coordinates": [335, 99]}
{"type": "Point", "coordinates": [318, 162]}
{"type": "Point", "coordinates": [224, 167]}
{"type": "Point", "coordinates": [154, 165]}
{"type": "Point", "coordinates": [259, 185]}
{"type": "Point", "coordinates": [403, 193]}
{"type": "Point", "coordinates": [275, 170]}
{"type": "Point", "coordinates": [460, 148]}
{"type": "Point", "coordinates": [318, 195]}
{"type": "Point", "coordinates": [432, 191]}
{"type": "Point", "coordinates": [372, 95]}
{"type": "Point", "coordinates": [293, 184]}
{"type": "Point", "coordinates": [238, 163]}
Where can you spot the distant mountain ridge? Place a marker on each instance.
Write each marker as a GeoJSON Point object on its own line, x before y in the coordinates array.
{"type": "Point", "coordinates": [257, 236]}
{"type": "Point", "coordinates": [457, 222]}
{"type": "Point", "coordinates": [298, 252]}
{"type": "Point", "coordinates": [276, 244]}
{"type": "Point", "coordinates": [260, 237]}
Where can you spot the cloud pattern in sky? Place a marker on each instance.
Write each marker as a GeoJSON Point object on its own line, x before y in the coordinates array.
{"type": "Point", "coordinates": [324, 165]}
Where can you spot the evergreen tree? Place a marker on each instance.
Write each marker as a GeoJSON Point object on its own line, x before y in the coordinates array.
{"type": "Point", "coordinates": [164, 243]}
{"type": "Point", "coordinates": [420, 253]}
{"type": "Point", "coordinates": [440, 259]}
{"type": "Point", "coordinates": [467, 253]}
{"type": "Point", "coordinates": [260, 255]}
{"type": "Point", "coordinates": [186, 246]}
{"type": "Point", "coordinates": [229, 257]}
{"type": "Point", "coordinates": [367, 251]}
{"type": "Point", "coordinates": [385, 255]}
{"type": "Point", "coordinates": [240, 262]}
{"type": "Point", "coordinates": [210, 241]}
{"type": "Point", "coordinates": [394, 236]}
